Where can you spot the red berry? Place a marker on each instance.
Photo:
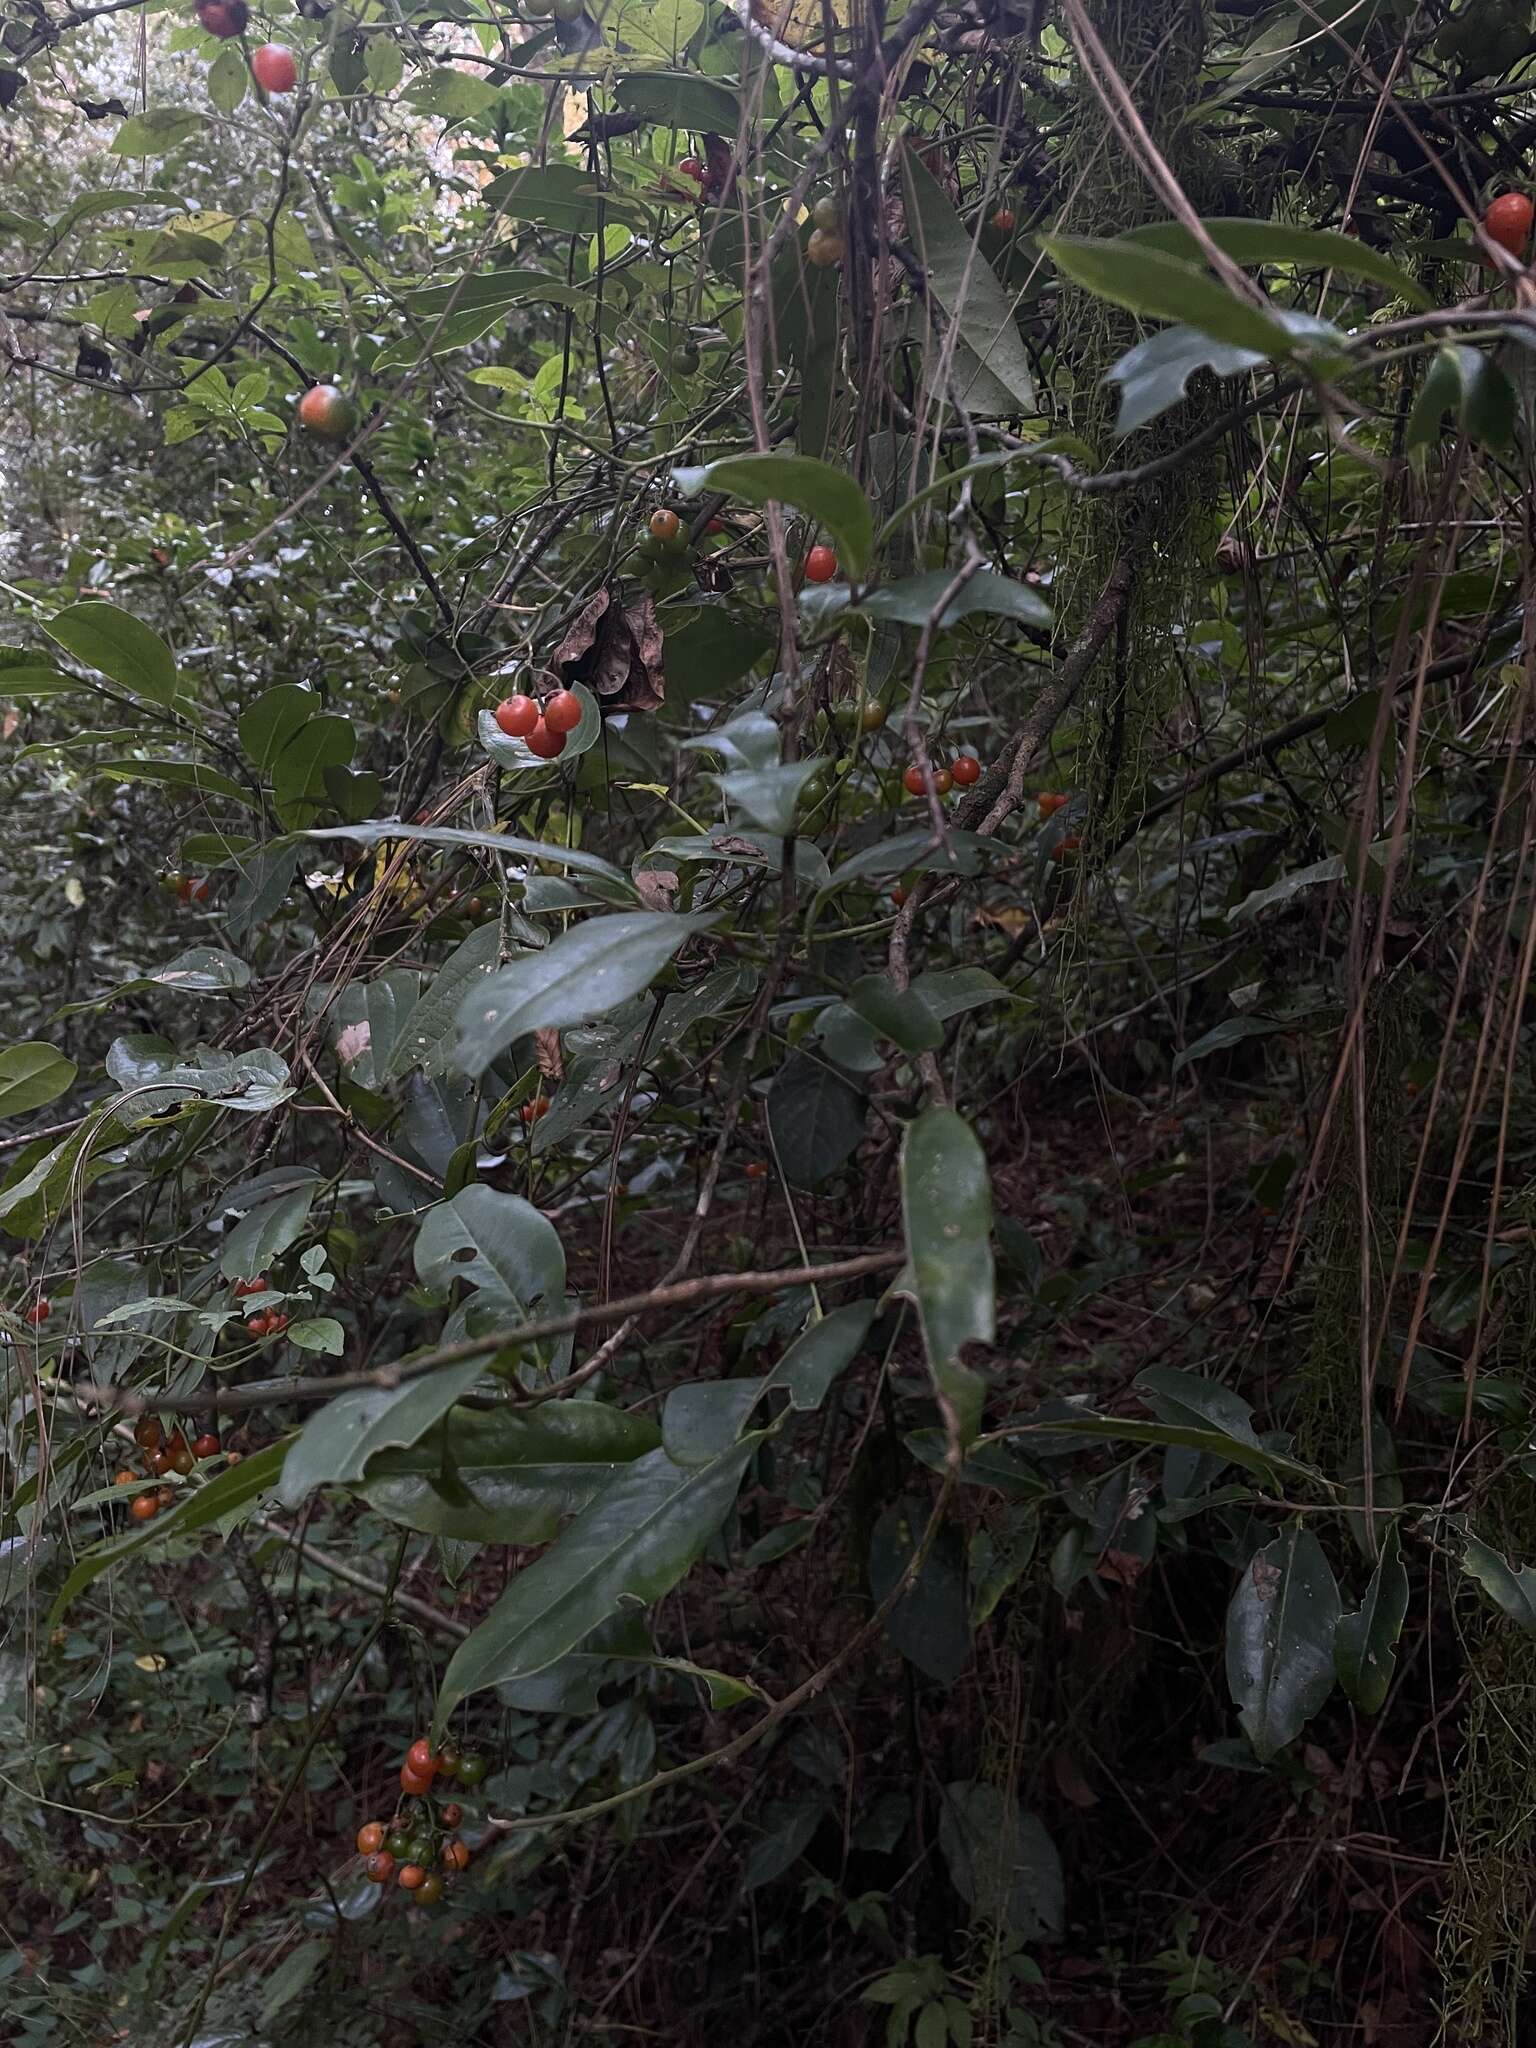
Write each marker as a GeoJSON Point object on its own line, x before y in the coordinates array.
{"type": "Point", "coordinates": [159, 1463]}
{"type": "Point", "coordinates": [274, 68]}
{"type": "Point", "coordinates": [327, 412]}
{"type": "Point", "coordinates": [912, 782]}
{"type": "Point", "coordinates": [421, 1758]}
{"type": "Point", "coordinates": [259, 1325]}
{"type": "Point", "coordinates": [820, 565]}
{"type": "Point", "coordinates": [148, 1434]}
{"type": "Point", "coordinates": [966, 770]}
{"type": "Point", "coordinates": [690, 167]}
{"type": "Point", "coordinates": [665, 526]}
{"type": "Point", "coordinates": [1508, 222]}
{"type": "Point", "coordinates": [943, 781]}
{"type": "Point", "coordinates": [275, 1323]}
{"type": "Point", "coordinates": [898, 895]}
{"type": "Point", "coordinates": [455, 1855]}
{"type": "Point", "coordinates": [370, 1838]}
{"type": "Point", "coordinates": [40, 1311]}
{"type": "Point", "coordinates": [1065, 846]}
{"type": "Point", "coordinates": [242, 1288]}
{"type": "Point", "coordinates": [546, 744]}
{"type": "Point", "coordinates": [223, 18]}
{"type": "Point", "coordinates": [517, 716]}
{"type": "Point", "coordinates": [1002, 220]}
{"type": "Point", "coordinates": [380, 1866]}
{"type": "Point", "coordinates": [757, 1170]}
{"type": "Point", "coordinates": [417, 1784]}
{"type": "Point", "coordinates": [198, 892]}
{"type": "Point", "coordinates": [410, 1877]}
{"type": "Point", "coordinates": [1049, 803]}
{"type": "Point", "coordinates": [206, 1446]}
{"type": "Point", "coordinates": [144, 1507]}
{"type": "Point", "coordinates": [532, 1111]}
{"type": "Point", "coordinates": [563, 711]}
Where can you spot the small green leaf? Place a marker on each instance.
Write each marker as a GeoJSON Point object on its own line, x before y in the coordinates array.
{"type": "Point", "coordinates": [1280, 1639]}
{"type": "Point", "coordinates": [947, 1215]}
{"type": "Point", "coordinates": [31, 1075]}
{"type": "Point", "coordinates": [827, 495]}
{"type": "Point", "coordinates": [816, 1358]}
{"type": "Point", "coordinates": [155, 131]}
{"type": "Point", "coordinates": [318, 1333]}
{"type": "Point", "coordinates": [119, 645]}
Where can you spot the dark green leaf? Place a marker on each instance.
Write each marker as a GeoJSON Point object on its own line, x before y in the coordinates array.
{"type": "Point", "coordinates": [816, 1118]}
{"type": "Point", "coordinates": [1275, 241]}
{"type": "Point", "coordinates": [1164, 288]}
{"type": "Point", "coordinates": [913, 601]}
{"type": "Point", "coordinates": [816, 1358]}
{"type": "Point", "coordinates": [930, 1623]}
{"type": "Point", "coordinates": [497, 1243]}
{"type": "Point", "coordinates": [336, 1444]}
{"type": "Point", "coordinates": [964, 284]}
{"type": "Point", "coordinates": [902, 1015]}
{"type": "Point", "coordinates": [31, 1075]}
{"type": "Point", "coordinates": [633, 1543]}
{"type": "Point", "coordinates": [1364, 1649]}
{"type": "Point", "coordinates": [1001, 1861]}
{"type": "Point", "coordinates": [1280, 1639]}
{"type": "Point", "coordinates": [1510, 1587]}
{"type": "Point", "coordinates": [584, 973]}
{"type": "Point", "coordinates": [1155, 374]}
{"type": "Point", "coordinates": [680, 99]}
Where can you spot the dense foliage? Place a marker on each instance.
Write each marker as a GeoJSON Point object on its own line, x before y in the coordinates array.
{"type": "Point", "coordinates": [767, 1150]}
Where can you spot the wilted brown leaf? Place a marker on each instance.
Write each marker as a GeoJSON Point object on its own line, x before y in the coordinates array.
{"type": "Point", "coordinates": [616, 652]}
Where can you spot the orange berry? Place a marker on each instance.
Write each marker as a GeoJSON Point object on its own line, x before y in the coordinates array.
{"type": "Point", "coordinates": [1508, 222]}
{"type": "Point", "coordinates": [144, 1507]}
{"type": "Point", "coordinates": [370, 1838]}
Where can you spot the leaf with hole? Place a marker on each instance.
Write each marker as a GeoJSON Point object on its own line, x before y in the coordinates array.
{"type": "Point", "coordinates": [1281, 1626]}
{"type": "Point", "coordinates": [1364, 1650]}
{"type": "Point", "coordinates": [946, 1197]}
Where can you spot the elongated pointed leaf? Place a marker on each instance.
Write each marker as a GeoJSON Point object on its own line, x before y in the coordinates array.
{"type": "Point", "coordinates": [965, 285]}
{"type": "Point", "coordinates": [1510, 1587]}
{"type": "Point", "coordinates": [1276, 241]}
{"type": "Point", "coordinates": [1365, 1647]}
{"type": "Point", "coordinates": [1280, 1639]}
{"type": "Point", "coordinates": [826, 494]}
{"type": "Point", "coordinates": [633, 1544]}
{"type": "Point", "coordinates": [946, 1199]}
{"type": "Point", "coordinates": [1145, 281]}
{"type": "Point", "coordinates": [584, 973]}
{"type": "Point", "coordinates": [500, 1477]}
{"type": "Point", "coordinates": [336, 1445]}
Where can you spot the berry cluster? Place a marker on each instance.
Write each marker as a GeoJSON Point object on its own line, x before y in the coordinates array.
{"type": "Point", "coordinates": [268, 1322]}
{"type": "Point", "coordinates": [164, 1455]}
{"type": "Point", "coordinates": [402, 1849]}
{"type": "Point", "coordinates": [965, 770]}
{"type": "Point", "coordinates": [542, 731]}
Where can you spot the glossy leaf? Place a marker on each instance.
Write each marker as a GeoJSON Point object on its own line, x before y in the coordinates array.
{"type": "Point", "coordinates": [1511, 1588]}
{"type": "Point", "coordinates": [336, 1444]}
{"type": "Point", "coordinates": [500, 1477]}
{"type": "Point", "coordinates": [915, 600]}
{"type": "Point", "coordinates": [946, 1196]}
{"type": "Point", "coordinates": [901, 1015]}
{"type": "Point", "coordinates": [31, 1075]}
{"type": "Point", "coordinates": [636, 1540]}
{"type": "Point", "coordinates": [1277, 241]}
{"type": "Point", "coordinates": [586, 972]}
{"type": "Point", "coordinates": [497, 1243]}
{"type": "Point", "coordinates": [1280, 1639]}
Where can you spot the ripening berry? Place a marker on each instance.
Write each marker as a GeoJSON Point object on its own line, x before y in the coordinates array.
{"type": "Point", "coordinates": [421, 1757]}
{"type": "Point", "coordinates": [206, 1446]}
{"type": "Point", "coordinates": [563, 711]}
{"type": "Point", "coordinates": [159, 1463]}
{"type": "Point", "coordinates": [223, 18]}
{"type": "Point", "coordinates": [517, 716]}
{"type": "Point", "coordinates": [820, 565]}
{"type": "Point", "coordinates": [1065, 846]}
{"type": "Point", "coordinates": [326, 412]}
{"type": "Point", "coordinates": [274, 68]}
{"type": "Point", "coordinates": [825, 250]}
{"type": "Point", "coordinates": [148, 1434]}
{"type": "Point", "coordinates": [379, 1867]}
{"type": "Point", "coordinates": [430, 1890]}
{"type": "Point", "coordinates": [1508, 222]}
{"type": "Point", "coordinates": [451, 1814]}
{"type": "Point", "coordinates": [40, 1311]}
{"type": "Point", "coordinates": [410, 1877]}
{"type": "Point", "coordinates": [549, 746]}
{"type": "Point", "coordinates": [691, 167]}
{"type": "Point", "coordinates": [471, 1769]}
{"type": "Point", "coordinates": [966, 770]}
{"type": "Point", "coordinates": [124, 1478]}
{"type": "Point", "coordinates": [757, 1170]}
{"type": "Point", "coordinates": [144, 1507]}
{"type": "Point", "coordinates": [182, 1460]}
{"type": "Point", "coordinates": [532, 1111]}
{"type": "Point", "coordinates": [455, 1855]}
{"type": "Point", "coordinates": [1048, 803]}
{"type": "Point", "coordinates": [414, 1783]}
{"type": "Point", "coordinates": [827, 214]}
{"type": "Point", "coordinates": [665, 526]}
{"type": "Point", "coordinates": [259, 1325]}
{"type": "Point", "coordinates": [242, 1288]}
{"type": "Point", "coordinates": [370, 1838]}
{"type": "Point", "coordinates": [1002, 220]}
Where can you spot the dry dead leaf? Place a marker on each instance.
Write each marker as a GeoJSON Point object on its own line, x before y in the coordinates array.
{"type": "Point", "coordinates": [657, 887]}
{"type": "Point", "coordinates": [546, 1052]}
